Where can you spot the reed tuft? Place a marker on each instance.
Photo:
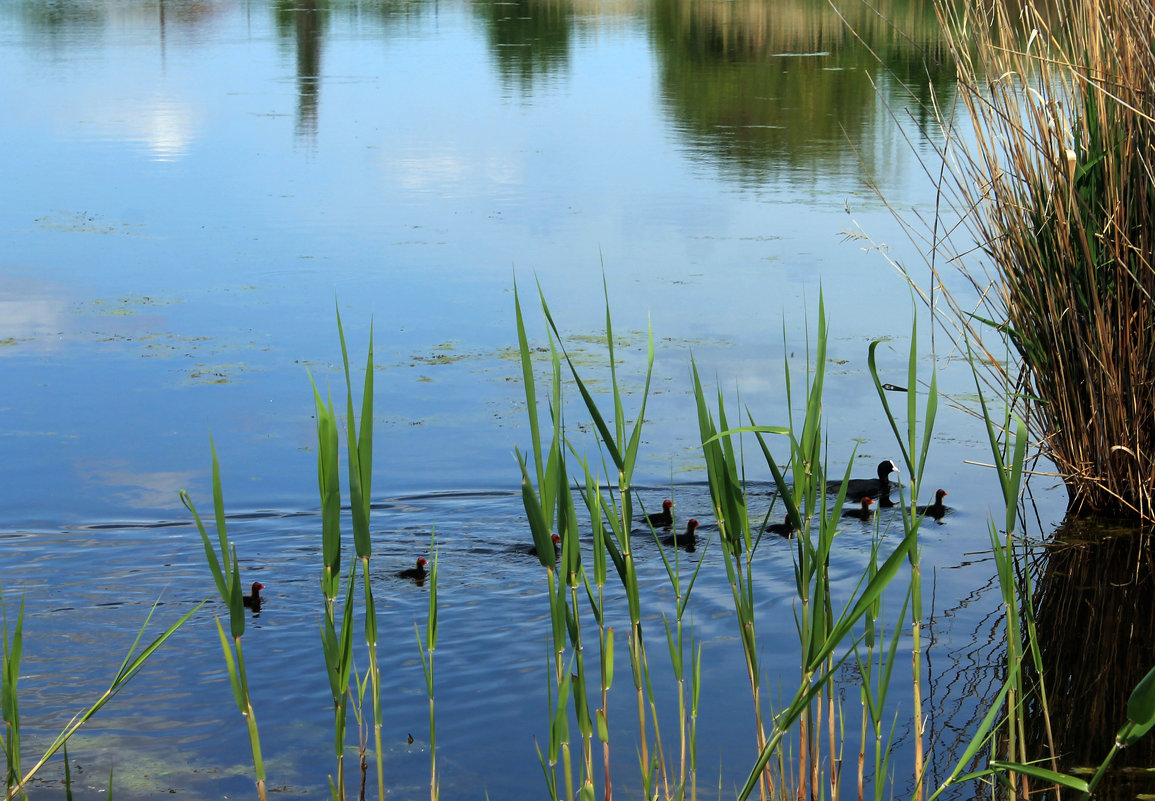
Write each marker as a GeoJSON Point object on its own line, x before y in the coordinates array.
{"type": "Point", "coordinates": [1050, 172]}
{"type": "Point", "coordinates": [1059, 183]}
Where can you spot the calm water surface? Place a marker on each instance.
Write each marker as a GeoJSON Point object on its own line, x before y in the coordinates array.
{"type": "Point", "coordinates": [193, 186]}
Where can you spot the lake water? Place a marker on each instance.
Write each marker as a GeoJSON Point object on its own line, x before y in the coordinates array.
{"type": "Point", "coordinates": [193, 186]}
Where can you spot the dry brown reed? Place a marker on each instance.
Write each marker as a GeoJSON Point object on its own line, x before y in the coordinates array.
{"type": "Point", "coordinates": [1053, 175]}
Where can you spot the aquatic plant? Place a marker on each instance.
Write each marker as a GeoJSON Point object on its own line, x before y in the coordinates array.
{"type": "Point", "coordinates": [337, 638]}
{"type": "Point", "coordinates": [1046, 191]}
{"type": "Point", "coordinates": [226, 574]}
{"type": "Point", "coordinates": [16, 778]}
{"type": "Point", "coordinates": [336, 628]}
{"type": "Point", "coordinates": [829, 633]}
{"type": "Point", "coordinates": [426, 646]}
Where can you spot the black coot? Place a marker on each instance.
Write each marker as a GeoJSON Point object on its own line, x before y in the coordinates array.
{"type": "Point", "coordinates": [865, 513]}
{"type": "Point", "coordinates": [874, 487]}
{"type": "Point", "coordinates": [253, 599]}
{"type": "Point", "coordinates": [784, 529]}
{"type": "Point", "coordinates": [936, 509]}
{"type": "Point", "coordinates": [664, 518]}
{"type": "Point", "coordinates": [685, 540]}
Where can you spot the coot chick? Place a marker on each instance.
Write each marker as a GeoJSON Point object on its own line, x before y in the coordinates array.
{"type": "Point", "coordinates": [936, 509]}
{"type": "Point", "coordinates": [664, 518]}
{"type": "Point", "coordinates": [416, 573]}
{"type": "Point", "coordinates": [785, 529]}
{"type": "Point", "coordinates": [253, 600]}
{"type": "Point", "coordinates": [532, 550]}
{"type": "Point", "coordinates": [875, 487]}
{"type": "Point", "coordinates": [865, 513]}
{"type": "Point", "coordinates": [685, 540]}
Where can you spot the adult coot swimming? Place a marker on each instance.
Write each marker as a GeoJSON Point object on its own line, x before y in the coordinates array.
{"type": "Point", "coordinates": [875, 487]}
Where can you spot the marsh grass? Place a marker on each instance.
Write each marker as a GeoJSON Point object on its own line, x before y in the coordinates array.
{"type": "Point", "coordinates": [797, 749]}
{"type": "Point", "coordinates": [225, 569]}
{"type": "Point", "coordinates": [1046, 197]}
{"type": "Point", "coordinates": [348, 688]}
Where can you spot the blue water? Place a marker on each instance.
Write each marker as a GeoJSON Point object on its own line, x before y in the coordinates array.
{"type": "Point", "coordinates": [195, 187]}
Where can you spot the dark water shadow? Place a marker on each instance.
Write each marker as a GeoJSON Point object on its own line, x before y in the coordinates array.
{"type": "Point", "coordinates": [1095, 614]}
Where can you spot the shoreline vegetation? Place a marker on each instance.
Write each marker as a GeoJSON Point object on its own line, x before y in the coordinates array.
{"type": "Point", "coordinates": [1056, 188]}
{"type": "Point", "coordinates": [1046, 189]}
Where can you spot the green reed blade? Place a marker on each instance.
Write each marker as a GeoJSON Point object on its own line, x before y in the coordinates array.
{"type": "Point", "coordinates": [68, 777]}
{"type": "Point", "coordinates": [359, 446]}
{"type": "Point", "coordinates": [538, 526]}
{"type": "Point", "coordinates": [619, 412]}
{"type": "Point", "coordinates": [1018, 460]}
{"type": "Point", "coordinates": [13, 650]}
{"type": "Point", "coordinates": [215, 567]}
{"type": "Point", "coordinates": [912, 394]}
{"type": "Point", "coordinates": [559, 725]}
{"type": "Point", "coordinates": [9, 698]}
{"type": "Point", "coordinates": [219, 508]}
{"type": "Point", "coordinates": [636, 434]}
{"type": "Point", "coordinates": [1039, 772]}
{"type": "Point", "coordinates": [1140, 711]}
{"type": "Point", "coordinates": [329, 486]}
{"type": "Point", "coordinates": [527, 381]}
{"type": "Point", "coordinates": [236, 602]}
{"type": "Point", "coordinates": [594, 505]}
{"type": "Point", "coordinates": [133, 662]}
{"type": "Point", "coordinates": [606, 435]}
{"type": "Point", "coordinates": [872, 364]}
{"type": "Point", "coordinates": [231, 666]}
{"type": "Point", "coordinates": [609, 658]}
{"type": "Point", "coordinates": [674, 645]}
{"type": "Point", "coordinates": [370, 604]}
{"type": "Point", "coordinates": [581, 705]}
{"type": "Point", "coordinates": [431, 620]}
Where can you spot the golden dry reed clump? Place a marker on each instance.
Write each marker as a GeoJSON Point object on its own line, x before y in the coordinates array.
{"type": "Point", "coordinates": [1056, 183]}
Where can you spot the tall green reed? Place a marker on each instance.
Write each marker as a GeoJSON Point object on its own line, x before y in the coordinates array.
{"type": "Point", "coordinates": [550, 507]}
{"type": "Point", "coordinates": [360, 468]}
{"type": "Point", "coordinates": [9, 696]}
{"type": "Point", "coordinates": [915, 446]}
{"type": "Point", "coordinates": [225, 569]}
{"type": "Point", "coordinates": [828, 634]}
{"type": "Point", "coordinates": [337, 635]}
{"type": "Point", "coordinates": [426, 646]}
